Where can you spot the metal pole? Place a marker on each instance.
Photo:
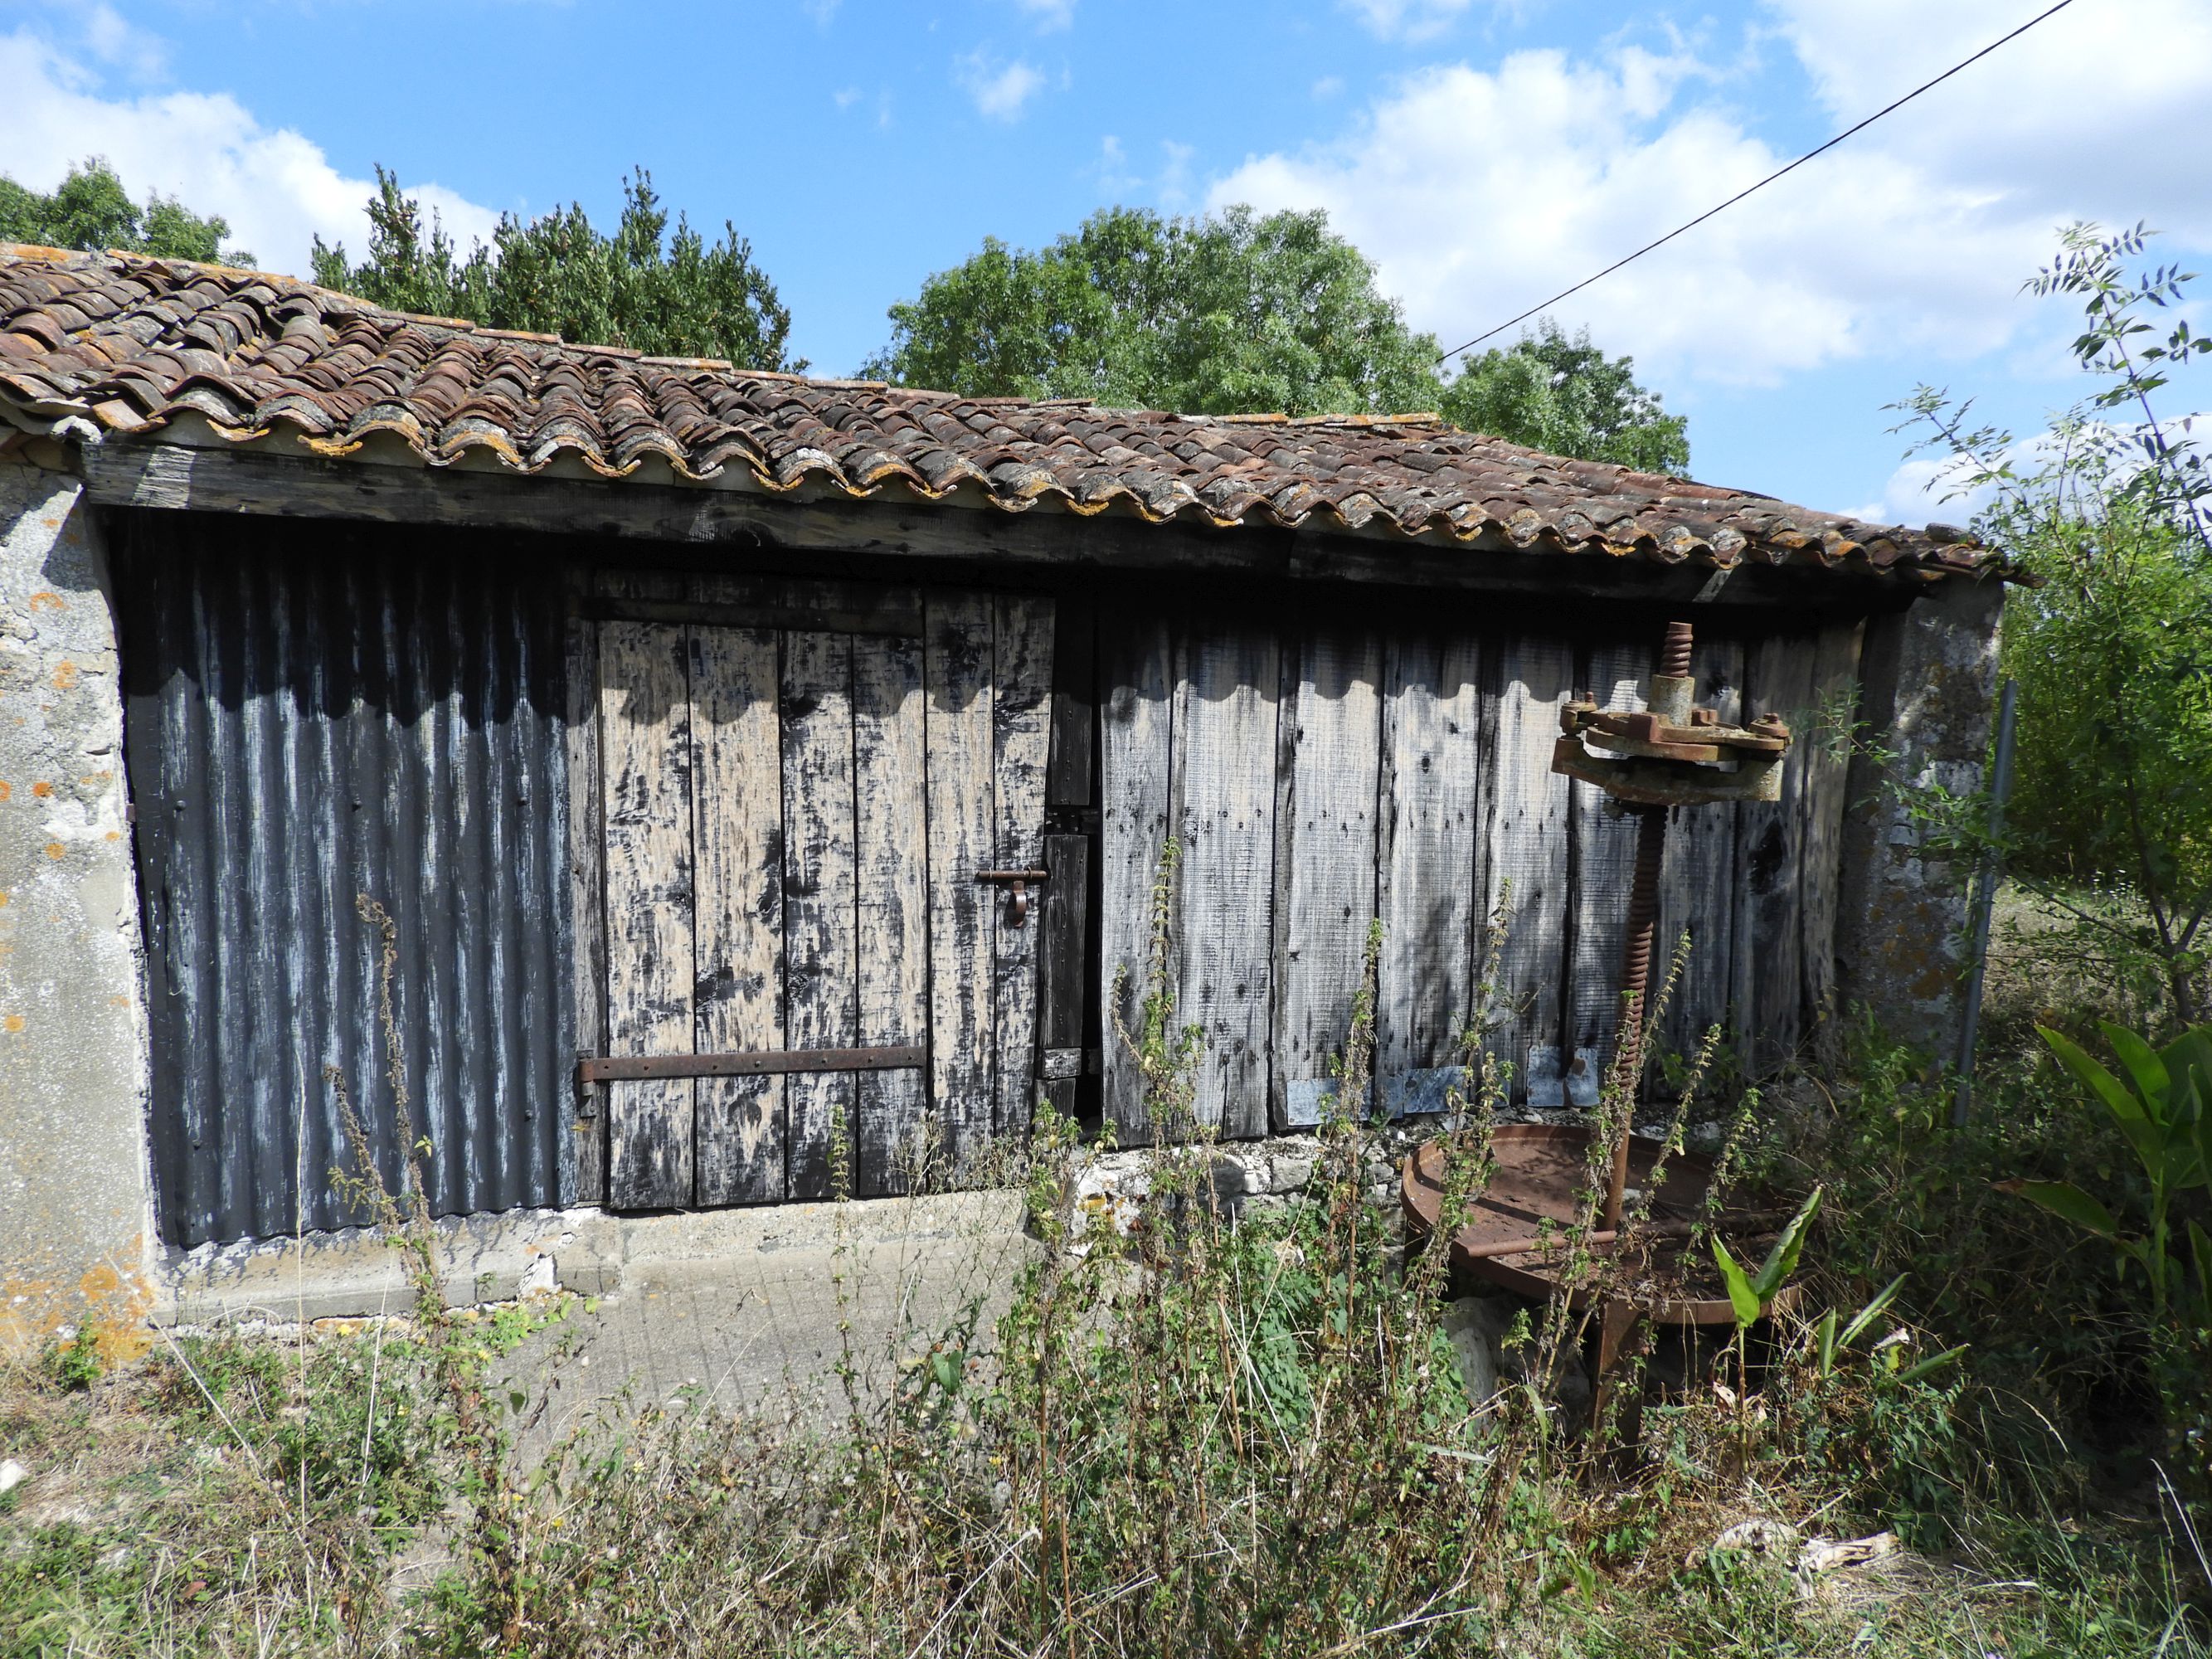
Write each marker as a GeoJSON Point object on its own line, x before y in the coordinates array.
{"type": "Point", "coordinates": [1986, 894]}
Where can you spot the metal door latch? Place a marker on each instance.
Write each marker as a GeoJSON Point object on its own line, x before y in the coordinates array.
{"type": "Point", "coordinates": [1017, 881]}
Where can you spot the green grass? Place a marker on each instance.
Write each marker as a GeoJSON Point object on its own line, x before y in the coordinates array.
{"type": "Point", "coordinates": [1207, 1434]}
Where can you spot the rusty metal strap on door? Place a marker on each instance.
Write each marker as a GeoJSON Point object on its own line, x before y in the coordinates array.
{"type": "Point", "coordinates": [632, 1068]}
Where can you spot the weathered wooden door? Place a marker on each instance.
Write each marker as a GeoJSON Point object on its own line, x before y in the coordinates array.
{"type": "Point", "coordinates": [807, 792]}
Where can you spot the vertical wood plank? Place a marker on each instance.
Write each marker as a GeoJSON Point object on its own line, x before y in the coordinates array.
{"type": "Point", "coordinates": [820, 896]}
{"type": "Point", "coordinates": [1605, 869]}
{"type": "Point", "coordinates": [1528, 851]}
{"type": "Point", "coordinates": [1431, 866]}
{"type": "Point", "coordinates": [1335, 713]}
{"type": "Point", "coordinates": [891, 797]}
{"type": "Point", "coordinates": [737, 820]}
{"type": "Point", "coordinates": [1697, 880]}
{"type": "Point", "coordinates": [584, 1159]}
{"type": "Point", "coordinates": [1068, 772]}
{"type": "Point", "coordinates": [1136, 755]}
{"type": "Point", "coordinates": [1225, 701]}
{"type": "Point", "coordinates": [957, 672]}
{"type": "Point", "coordinates": [1062, 925]}
{"type": "Point", "coordinates": [1769, 939]}
{"type": "Point", "coordinates": [1827, 762]}
{"type": "Point", "coordinates": [1021, 737]}
{"type": "Point", "coordinates": [645, 738]}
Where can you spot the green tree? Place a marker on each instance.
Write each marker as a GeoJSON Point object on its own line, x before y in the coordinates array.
{"type": "Point", "coordinates": [90, 210]}
{"type": "Point", "coordinates": [1231, 313]}
{"type": "Point", "coordinates": [1238, 312]}
{"type": "Point", "coordinates": [2110, 822]}
{"type": "Point", "coordinates": [667, 293]}
{"type": "Point", "coordinates": [1565, 396]}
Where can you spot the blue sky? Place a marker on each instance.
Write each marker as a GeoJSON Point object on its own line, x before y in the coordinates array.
{"type": "Point", "coordinates": [1485, 154]}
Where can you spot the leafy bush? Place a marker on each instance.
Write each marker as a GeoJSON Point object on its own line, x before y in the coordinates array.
{"type": "Point", "coordinates": [2111, 821]}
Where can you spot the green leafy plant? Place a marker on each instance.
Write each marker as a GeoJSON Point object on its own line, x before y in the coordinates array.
{"type": "Point", "coordinates": [1752, 1294]}
{"type": "Point", "coordinates": [2164, 1112]}
{"type": "Point", "coordinates": [76, 1363]}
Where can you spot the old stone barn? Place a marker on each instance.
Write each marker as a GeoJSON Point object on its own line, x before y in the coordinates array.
{"type": "Point", "coordinates": [723, 756]}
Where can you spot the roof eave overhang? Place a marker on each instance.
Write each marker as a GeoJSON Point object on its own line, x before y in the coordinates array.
{"type": "Point", "coordinates": [189, 464]}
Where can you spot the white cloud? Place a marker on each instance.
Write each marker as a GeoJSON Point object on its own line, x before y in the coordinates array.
{"type": "Point", "coordinates": [1919, 491]}
{"type": "Point", "coordinates": [1328, 87]}
{"type": "Point", "coordinates": [844, 97]}
{"type": "Point", "coordinates": [1172, 186]}
{"type": "Point", "coordinates": [1049, 14]}
{"type": "Point", "coordinates": [277, 190]}
{"type": "Point", "coordinates": [1407, 20]}
{"type": "Point", "coordinates": [1480, 192]}
{"type": "Point", "coordinates": [108, 38]}
{"type": "Point", "coordinates": [1926, 488]}
{"type": "Point", "coordinates": [999, 91]}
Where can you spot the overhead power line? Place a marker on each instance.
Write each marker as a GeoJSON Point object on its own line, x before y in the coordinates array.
{"type": "Point", "coordinates": [1752, 190]}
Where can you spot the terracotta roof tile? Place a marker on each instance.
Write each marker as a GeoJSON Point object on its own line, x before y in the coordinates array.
{"type": "Point", "coordinates": [129, 343]}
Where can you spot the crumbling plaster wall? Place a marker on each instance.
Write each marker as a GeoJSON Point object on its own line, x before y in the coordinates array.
{"type": "Point", "coordinates": [75, 1224]}
{"type": "Point", "coordinates": [1928, 684]}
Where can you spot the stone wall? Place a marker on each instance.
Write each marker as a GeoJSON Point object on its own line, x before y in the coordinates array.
{"type": "Point", "coordinates": [1928, 684]}
{"type": "Point", "coordinates": [76, 1240]}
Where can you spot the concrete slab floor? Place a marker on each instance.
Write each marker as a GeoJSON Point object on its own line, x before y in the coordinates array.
{"type": "Point", "coordinates": [758, 1329]}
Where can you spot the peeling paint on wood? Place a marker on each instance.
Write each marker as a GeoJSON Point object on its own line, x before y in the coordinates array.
{"type": "Point", "coordinates": [958, 668]}
{"type": "Point", "coordinates": [1021, 715]}
{"type": "Point", "coordinates": [738, 823]}
{"type": "Point", "coordinates": [889, 763]}
{"type": "Point", "coordinates": [820, 899]}
{"type": "Point", "coordinates": [646, 744]}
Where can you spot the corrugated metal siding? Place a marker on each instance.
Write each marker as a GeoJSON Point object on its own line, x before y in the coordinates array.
{"type": "Point", "coordinates": [317, 712]}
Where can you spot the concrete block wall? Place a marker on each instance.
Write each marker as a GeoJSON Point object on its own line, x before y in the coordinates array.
{"type": "Point", "coordinates": [77, 1238]}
